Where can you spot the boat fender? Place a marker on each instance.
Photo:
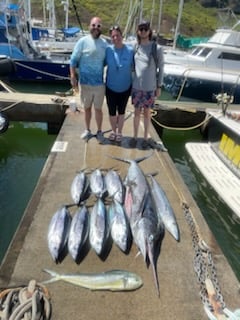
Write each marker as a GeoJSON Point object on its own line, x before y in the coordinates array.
{"type": "Point", "coordinates": [4, 122]}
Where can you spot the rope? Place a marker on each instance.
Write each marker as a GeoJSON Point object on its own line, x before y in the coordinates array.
{"type": "Point", "coordinates": [31, 302]}
{"type": "Point", "coordinates": [208, 117]}
{"type": "Point", "coordinates": [43, 72]}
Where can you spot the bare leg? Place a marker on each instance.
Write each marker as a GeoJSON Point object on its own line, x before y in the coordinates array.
{"type": "Point", "coordinates": [136, 121]}
{"type": "Point", "coordinates": [99, 118]}
{"type": "Point", "coordinates": [113, 122]}
{"type": "Point", "coordinates": [147, 118]}
{"type": "Point", "coordinates": [120, 123]}
{"type": "Point", "coordinates": [88, 115]}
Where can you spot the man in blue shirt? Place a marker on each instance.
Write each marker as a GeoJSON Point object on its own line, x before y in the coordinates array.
{"type": "Point", "coordinates": [88, 58]}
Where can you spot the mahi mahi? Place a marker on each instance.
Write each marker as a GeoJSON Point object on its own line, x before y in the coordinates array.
{"type": "Point", "coordinates": [113, 280]}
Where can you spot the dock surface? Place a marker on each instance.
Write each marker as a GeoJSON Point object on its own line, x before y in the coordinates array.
{"type": "Point", "coordinates": [28, 253]}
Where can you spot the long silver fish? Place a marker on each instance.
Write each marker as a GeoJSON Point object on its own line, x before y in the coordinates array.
{"type": "Point", "coordinates": [148, 233]}
{"type": "Point", "coordinates": [98, 226]}
{"type": "Point", "coordinates": [58, 232]}
{"type": "Point", "coordinates": [114, 185]}
{"type": "Point", "coordinates": [113, 280]}
{"type": "Point", "coordinates": [164, 209]}
{"type": "Point", "coordinates": [78, 232]}
{"type": "Point", "coordinates": [97, 183]}
{"type": "Point", "coordinates": [80, 188]}
{"type": "Point", "coordinates": [137, 184]}
{"type": "Point", "coordinates": [119, 226]}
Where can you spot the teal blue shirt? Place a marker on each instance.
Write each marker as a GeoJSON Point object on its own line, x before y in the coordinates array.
{"type": "Point", "coordinates": [119, 63]}
{"type": "Point", "coordinates": [88, 55]}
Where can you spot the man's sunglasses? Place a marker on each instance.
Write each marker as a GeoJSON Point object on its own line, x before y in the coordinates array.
{"type": "Point", "coordinates": [96, 25]}
{"type": "Point", "coordinates": [143, 29]}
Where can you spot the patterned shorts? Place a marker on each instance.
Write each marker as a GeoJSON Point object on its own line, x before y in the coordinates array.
{"type": "Point", "coordinates": [142, 99]}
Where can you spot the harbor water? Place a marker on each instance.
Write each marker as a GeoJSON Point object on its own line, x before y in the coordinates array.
{"type": "Point", "coordinates": [24, 149]}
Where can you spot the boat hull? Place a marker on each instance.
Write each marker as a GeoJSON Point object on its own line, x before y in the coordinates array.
{"type": "Point", "coordinates": [40, 70]}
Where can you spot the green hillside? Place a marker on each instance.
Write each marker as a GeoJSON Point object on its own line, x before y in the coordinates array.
{"type": "Point", "coordinates": [196, 19]}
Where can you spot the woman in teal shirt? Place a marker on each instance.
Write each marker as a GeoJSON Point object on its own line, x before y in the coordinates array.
{"type": "Point", "coordinates": [119, 61]}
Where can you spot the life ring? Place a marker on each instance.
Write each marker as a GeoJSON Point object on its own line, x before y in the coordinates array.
{"type": "Point", "coordinates": [4, 122]}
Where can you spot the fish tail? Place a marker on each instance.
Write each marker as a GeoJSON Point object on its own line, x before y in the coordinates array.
{"type": "Point", "coordinates": [55, 276]}
{"type": "Point", "coordinates": [137, 160]}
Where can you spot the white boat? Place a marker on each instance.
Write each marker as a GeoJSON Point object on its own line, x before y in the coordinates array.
{"type": "Point", "coordinates": [219, 161]}
{"type": "Point", "coordinates": [210, 69]}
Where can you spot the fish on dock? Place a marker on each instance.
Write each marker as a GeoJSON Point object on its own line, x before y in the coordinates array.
{"type": "Point", "coordinates": [78, 232]}
{"type": "Point", "coordinates": [148, 232]}
{"type": "Point", "coordinates": [119, 226]}
{"type": "Point", "coordinates": [98, 232]}
{"type": "Point", "coordinates": [114, 185]}
{"type": "Point", "coordinates": [97, 183]}
{"type": "Point", "coordinates": [58, 232]}
{"type": "Point", "coordinates": [112, 280]}
{"type": "Point", "coordinates": [80, 188]}
{"type": "Point", "coordinates": [164, 209]}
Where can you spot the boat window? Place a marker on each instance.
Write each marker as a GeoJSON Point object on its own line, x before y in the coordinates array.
{"type": "Point", "coordinates": [205, 52]}
{"type": "Point", "coordinates": [229, 56]}
{"type": "Point", "coordinates": [201, 52]}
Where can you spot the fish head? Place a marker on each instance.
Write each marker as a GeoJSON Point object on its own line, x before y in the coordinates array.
{"type": "Point", "coordinates": [132, 281]}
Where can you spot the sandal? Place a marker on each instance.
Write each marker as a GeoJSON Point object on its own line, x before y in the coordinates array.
{"type": "Point", "coordinates": [119, 137]}
{"type": "Point", "coordinates": [112, 136]}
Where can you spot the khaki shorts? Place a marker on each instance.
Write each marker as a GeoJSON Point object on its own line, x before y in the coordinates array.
{"type": "Point", "coordinates": [92, 95]}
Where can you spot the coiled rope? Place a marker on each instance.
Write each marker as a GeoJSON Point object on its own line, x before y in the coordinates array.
{"type": "Point", "coordinates": [28, 303]}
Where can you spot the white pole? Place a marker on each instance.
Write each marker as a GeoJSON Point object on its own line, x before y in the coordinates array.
{"type": "Point", "coordinates": [160, 16]}
{"type": "Point", "coordinates": [180, 8]}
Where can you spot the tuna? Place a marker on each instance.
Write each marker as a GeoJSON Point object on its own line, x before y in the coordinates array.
{"type": "Point", "coordinates": [80, 188]}
{"type": "Point", "coordinates": [164, 209]}
{"type": "Point", "coordinates": [114, 185]}
{"type": "Point", "coordinates": [97, 183]}
{"type": "Point", "coordinates": [98, 227]}
{"type": "Point", "coordinates": [119, 226]}
{"type": "Point", "coordinates": [58, 231]}
{"type": "Point", "coordinates": [78, 233]}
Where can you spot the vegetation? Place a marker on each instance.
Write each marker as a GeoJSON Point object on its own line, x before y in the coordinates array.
{"type": "Point", "coordinates": [196, 20]}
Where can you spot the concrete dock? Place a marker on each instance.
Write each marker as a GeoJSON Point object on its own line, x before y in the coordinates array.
{"type": "Point", "coordinates": [28, 253]}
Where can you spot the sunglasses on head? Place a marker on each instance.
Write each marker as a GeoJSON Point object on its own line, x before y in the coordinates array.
{"type": "Point", "coordinates": [114, 28]}
{"type": "Point", "coordinates": [94, 25]}
{"type": "Point", "coordinates": [143, 29]}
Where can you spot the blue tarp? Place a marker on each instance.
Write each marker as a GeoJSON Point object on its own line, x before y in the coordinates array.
{"type": "Point", "coordinates": [11, 51]}
{"type": "Point", "coordinates": [70, 32]}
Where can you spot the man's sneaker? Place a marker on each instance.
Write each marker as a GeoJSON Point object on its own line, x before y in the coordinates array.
{"type": "Point", "coordinates": [86, 135]}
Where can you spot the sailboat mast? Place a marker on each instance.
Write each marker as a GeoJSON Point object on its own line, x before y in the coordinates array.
{"type": "Point", "coordinates": [159, 16]}
{"type": "Point", "coordinates": [180, 8]}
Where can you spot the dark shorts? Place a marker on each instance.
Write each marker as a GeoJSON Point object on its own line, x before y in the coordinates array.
{"type": "Point", "coordinates": [142, 99]}
{"type": "Point", "coordinates": [117, 101]}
